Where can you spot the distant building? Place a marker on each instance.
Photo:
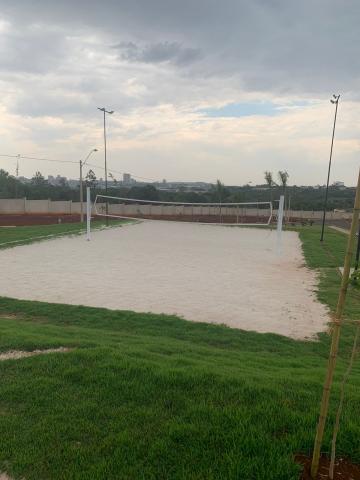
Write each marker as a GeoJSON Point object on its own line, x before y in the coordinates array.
{"type": "Point", "coordinates": [57, 181]}
{"type": "Point", "coordinates": [24, 179]}
{"type": "Point", "coordinates": [127, 179]}
{"type": "Point", "coordinates": [338, 184]}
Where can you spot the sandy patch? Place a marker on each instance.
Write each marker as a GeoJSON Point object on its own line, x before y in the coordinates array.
{"type": "Point", "coordinates": [16, 354]}
{"type": "Point", "coordinates": [200, 272]}
{"type": "Point", "coordinates": [9, 316]}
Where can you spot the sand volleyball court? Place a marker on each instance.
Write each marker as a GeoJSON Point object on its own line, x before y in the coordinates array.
{"type": "Point", "coordinates": [202, 273]}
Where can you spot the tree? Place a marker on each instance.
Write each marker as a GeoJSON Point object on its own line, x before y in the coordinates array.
{"type": "Point", "coordinates": [4, 174]}
{"type": "Point", "coordinates": [221, 193]}
{"type": "Point", "coordinates": [38, 179]}
{"type": "Point", "coordinates": [113, 178]}
{"type": "Point", "coordinates": [146, 192]}
{"type": "Point", "coordinates": [9, 185]}
{"type": "Point", "coordinates": [90, 179]}
{"type": "Point", "coordinates": [269, 180]}
{"type": "Point", "coordinates": [220, 190]}
{"type": "Point", "coordinates": [62, 182]}
{"type": "Point", "coordinates": [283, 177]}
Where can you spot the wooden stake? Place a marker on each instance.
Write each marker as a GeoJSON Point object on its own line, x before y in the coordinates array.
{"type": "Point", "coordinates": [336, 335]}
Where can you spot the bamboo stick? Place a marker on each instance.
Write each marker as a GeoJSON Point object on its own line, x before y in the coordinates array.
{"type": "Point", "coordinates": [336, 335]}
{"type": "Point", "coordinates": [341, 403]}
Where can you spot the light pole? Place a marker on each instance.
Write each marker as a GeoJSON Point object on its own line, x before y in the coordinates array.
{"type": "Point", "coordinates": [110, 112]}
{"type": "Point", "coordinates": [335, 101]}
{"type": "Point", "coordinates": [82, 163]}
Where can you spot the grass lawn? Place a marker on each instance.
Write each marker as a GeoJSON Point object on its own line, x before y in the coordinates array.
{"type": "Point", "coordinates": [14, 236]}
{"type": "Point", "coordinates": [146, 396]}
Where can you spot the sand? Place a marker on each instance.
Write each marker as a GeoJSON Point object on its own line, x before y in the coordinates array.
{"type": "Point", "coordinates": [203, 273]}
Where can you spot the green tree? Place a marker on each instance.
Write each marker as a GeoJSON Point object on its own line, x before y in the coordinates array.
{"type": "Point", "coordinates": [113, 178]}
{"type": "Point", "coordinates": [270, 181]}
{"type": "Point", "coordinates": [146, 192]}
{"type": "Point", "coordinates": [38, 179]}
{"type": "Point", "coordinates": [219, 192]}
{"type": "Point", "coordinates": [283, 178]}
{"type": "Point", "coordinates": [9, 185]}
{"type": "Point", "coordinates": [90, 179]}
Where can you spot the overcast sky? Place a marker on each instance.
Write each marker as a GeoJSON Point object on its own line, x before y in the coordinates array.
{"type": "Point", "coordinates": [202, 89]}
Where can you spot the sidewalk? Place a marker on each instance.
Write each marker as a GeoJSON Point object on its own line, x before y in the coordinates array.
{"type": "Point", "coordinates": [341, 230]}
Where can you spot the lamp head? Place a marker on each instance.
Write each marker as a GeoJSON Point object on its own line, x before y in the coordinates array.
{"type": "Point", "coordinates": [103, 109]}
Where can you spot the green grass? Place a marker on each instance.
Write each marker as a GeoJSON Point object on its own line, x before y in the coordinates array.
{"type": "Point", "coordinates": [14, 236]}
{"type": "Point", "coordinates": [146, 396]}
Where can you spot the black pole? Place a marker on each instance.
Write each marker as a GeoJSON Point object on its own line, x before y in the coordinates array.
{"type": "Point", "coordinates": [106, 185]}
{"type": "Point", "coordinates": [328, 176]}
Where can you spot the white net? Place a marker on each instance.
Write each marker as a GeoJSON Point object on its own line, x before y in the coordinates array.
{"type": "Point", "coordinates": [249, 213]}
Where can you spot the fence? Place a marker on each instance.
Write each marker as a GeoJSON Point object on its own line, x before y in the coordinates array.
{"type": "Point", "coordinates": [21, 206]}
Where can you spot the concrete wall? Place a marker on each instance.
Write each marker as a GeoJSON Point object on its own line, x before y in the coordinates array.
{"type": "Point", "coordinates": [22, 206]}
{"type": "Point", "coordinates": [37, 206]}
{"type": "Point", "coordinates": [12, 206]}
{"type": "Point", "coordinates": [60, 207]}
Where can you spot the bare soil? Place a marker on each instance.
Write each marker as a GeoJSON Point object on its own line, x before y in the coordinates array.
{"type": "Point", "coordinates": [344, 469]}
{"type": "Point", "coordinates": [16, 354]}
{"type": "Point", "coordinates": [36, 219]}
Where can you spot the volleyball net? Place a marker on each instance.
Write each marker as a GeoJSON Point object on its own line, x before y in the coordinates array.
{"type": "Point", "coordinates": [243, 213]}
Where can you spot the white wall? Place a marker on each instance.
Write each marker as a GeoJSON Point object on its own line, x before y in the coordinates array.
{"type": "Point", "coordinates": [22, 205]}
{"type": "Point", "coordinates": [10, 206]}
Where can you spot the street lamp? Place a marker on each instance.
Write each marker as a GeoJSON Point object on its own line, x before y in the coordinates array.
{"type": "Point", "coordinates": [335, 101]}
{"type": "Point", "coordinates": [82, 163]}
{"type": "Point", "coordinates": [110, 112]}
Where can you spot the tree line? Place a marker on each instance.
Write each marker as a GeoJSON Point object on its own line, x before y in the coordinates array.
{"type": "Point", "coordinates": [300, 198]}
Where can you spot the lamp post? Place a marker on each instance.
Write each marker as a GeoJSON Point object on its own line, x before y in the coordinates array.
{"type": "Point", "coordinates": [335, 101]}
{"type": "Point", "coordinates": [82, 163]}
{"type": "Point", "coordinates": [110, 112]}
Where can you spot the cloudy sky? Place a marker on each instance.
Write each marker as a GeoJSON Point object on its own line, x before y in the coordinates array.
{"type": "Point", "coordinates": [202, 89]}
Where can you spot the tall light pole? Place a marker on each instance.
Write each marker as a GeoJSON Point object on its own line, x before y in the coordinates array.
{"type": "Point", "coordinates": [82, 163]}
{"type": "Point", "coordinates": [110, 112]}
{"type": "Point", "coordinates": [335, 101]}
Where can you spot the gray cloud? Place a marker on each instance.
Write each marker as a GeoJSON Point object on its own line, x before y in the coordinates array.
{"type": "Point", "coordinates": [173, 58]}
{"type": "Point", "coordinates": [31, 50]}
{"type": "Point", "coordinates": [171, 52]}
{"type": "Point", "coordinates": [276, 46]}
